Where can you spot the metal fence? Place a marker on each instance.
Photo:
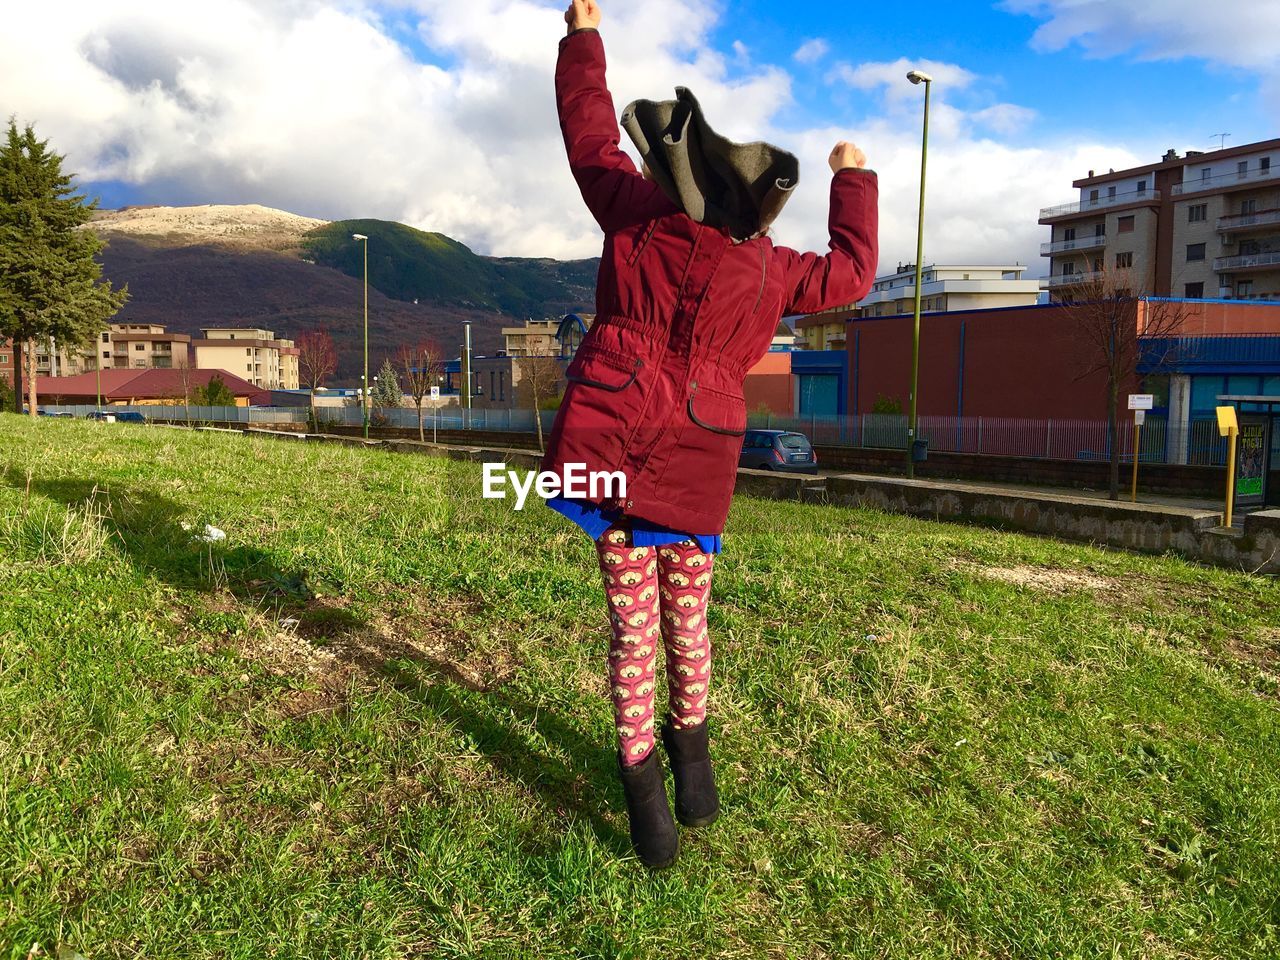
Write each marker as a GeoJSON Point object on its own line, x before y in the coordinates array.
{"type": "Point", "coordinates": [1199, 444]}
{"type": "Point", "coordinates": [404, 418]}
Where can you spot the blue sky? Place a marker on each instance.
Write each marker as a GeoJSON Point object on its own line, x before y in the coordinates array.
{"type": "Point", "coordinates": [440, 114]}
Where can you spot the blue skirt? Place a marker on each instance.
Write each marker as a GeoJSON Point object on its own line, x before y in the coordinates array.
{"type": "Point", "coordinates": [594, 521]}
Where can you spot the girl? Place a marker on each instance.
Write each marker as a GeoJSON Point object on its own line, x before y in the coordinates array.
{"type": "Point", "coordinates": [689, 295]}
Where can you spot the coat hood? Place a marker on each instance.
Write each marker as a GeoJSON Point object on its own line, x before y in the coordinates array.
{"type": "Point", "coordinates": [741, 187]}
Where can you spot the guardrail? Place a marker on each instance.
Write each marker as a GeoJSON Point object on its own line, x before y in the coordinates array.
{"type": "Point", "coordinates": [1102, 203]}
{"type": "Point", "coordinates": [1076, 243]}
{"type": "Point", "coordinates": [1223, 180]}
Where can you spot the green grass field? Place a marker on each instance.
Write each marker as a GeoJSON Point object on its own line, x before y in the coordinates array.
{"type": "Point", "coordinates": [372, 723]}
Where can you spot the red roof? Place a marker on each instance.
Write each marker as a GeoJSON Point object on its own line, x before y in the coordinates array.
{"type": "Point", "coordinates": [145, 385]}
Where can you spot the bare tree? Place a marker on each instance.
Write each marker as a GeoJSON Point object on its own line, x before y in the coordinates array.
{"type": "Point", "coordinates": [421, 366]}
{"type": "Point", "coordinates": [540, 382]}
{"type": "Point", "coordinates": [317, 361]}
{"type": "Point", "coordinates": [1116, 328]}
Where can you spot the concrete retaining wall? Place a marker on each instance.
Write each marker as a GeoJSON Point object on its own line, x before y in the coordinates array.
{"type": "Point", "coordinates": [1194, 534]}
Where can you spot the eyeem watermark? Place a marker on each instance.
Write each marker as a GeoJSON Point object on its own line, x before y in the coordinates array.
{"type": "Point", "coordinates": [576, 484]}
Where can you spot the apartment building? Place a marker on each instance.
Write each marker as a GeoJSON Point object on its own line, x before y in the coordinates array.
{"type": "Point", "coordinates": [8, 362]}
{"type": "Point", "coordinates": [122, 346]}
{"type": "Point", "coordinates": [252, 353]}
{"type": "Point", "coordinates": [546, 338]}
{"type": "Point", "coordinates": [944, 288]}
{"type": "Point", "coordinates": [136, 346]}
{"type": "Point", "coordinates": [1203, 225]}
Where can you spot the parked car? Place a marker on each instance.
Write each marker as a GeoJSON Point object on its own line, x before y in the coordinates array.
{"type": "Point", "coordinates": [130, 416]}
{"type": "Point", "coordinates": [56, 416]}
{"type": "Point", "coordinates": [103, 415]}
{"type": "Point", "coordinates": [778, 450]}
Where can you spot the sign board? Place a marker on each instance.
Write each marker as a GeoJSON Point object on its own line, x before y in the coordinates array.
{"type": "Point", "coordinates": [1251, 463]}
{"type": "Point", "coordinates": [1141, 401]}
{"type": "Point", "coordinates": [1227, 421]}
{"type": "Point", "coordinates": [1139, 417]}
{"type": "Point", "coordinates": [435, 393]}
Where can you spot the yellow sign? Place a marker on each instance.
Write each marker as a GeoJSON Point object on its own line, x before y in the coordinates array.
{"type": "Point", "coordinates": [1227, 422]}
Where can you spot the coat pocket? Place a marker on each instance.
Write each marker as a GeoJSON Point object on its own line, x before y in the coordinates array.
{"type": "Point", "coordinates": [703, 462]}
{"type": "Point", "coordinates": [719, 412]}
{"type": "Point", "coordinates": [605, 369]}
{"type": "Point", "coordinates": [606, 390]}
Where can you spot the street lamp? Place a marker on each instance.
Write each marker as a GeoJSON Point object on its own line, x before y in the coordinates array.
{"type": "Point", "coordinates": [361, 238]}
{"type": "Point", "coordinates": [917, 77]}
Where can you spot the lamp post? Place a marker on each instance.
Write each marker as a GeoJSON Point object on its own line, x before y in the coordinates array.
{"type": "Point", "coordinates": [917, 77]}
{"type": "Point", "coordinates": [466, 372]}
{"type": "Point", "coordinates": [361, 238]}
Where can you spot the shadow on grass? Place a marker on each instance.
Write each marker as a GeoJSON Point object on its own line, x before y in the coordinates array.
{"type": "Point", "coordinates": [149, 529]}
{"type": "Point", "coordinates": [577, 777]}
{"type": "Point", "coordinates": [505, 727]}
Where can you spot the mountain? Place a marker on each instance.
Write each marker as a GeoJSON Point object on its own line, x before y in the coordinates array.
{"type": "Point", "coordinates": [193, 267]}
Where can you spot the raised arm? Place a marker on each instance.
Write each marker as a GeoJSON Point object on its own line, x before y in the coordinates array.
{"type": "Point", "coordinates": [614, 190]}
{"type": "Point", "coordinates": [845, 275]}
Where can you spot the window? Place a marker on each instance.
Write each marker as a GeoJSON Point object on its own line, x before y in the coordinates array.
{"type": "Point", "coordinates": [1097, 264]}
{"type": "Point", "coordinates": [1195, 291]}
{"type": "Point", "coordinates": [1099, 229]}
{"type": "Point", "coordinates": [1068, 234]}
{"type": "Point", "coordinates": [1093, 196]}
{"type": "Point", "coordinates": [248, 352]}
{"type": "Point", "coordinates": [1142, 186]}
{"type": "Point", "coordinates": [1248, 206]}
{"type": "Point", "coordinates": [1250, 248]}
{"type": "Point", "coordinates": [1244, 288]}
{"type": "Point", "coordinates": [493, 383]}
{"type": "Point", "coordinates": [106, 354]}
{"type": "Point", "coordinates": [1126, 224]}
{"type": "Point", "coordinates": [139, 347]}
{"type": "Point", "coordinates": [1197, 213]}
{"type": "Point", "coordinates": [106, 338]}
{"type": "Point", "coordinates": [1124, 261]}
{"type": "Point", "coordinates": [1111, 193]}
{"type": "Point", "coordinates": [1205, 174]}
{"type": "Point", "coordinates": [1195, 251]}
{"type": "Point", "coordinates": [1068, 269]}
{"type": "Point", "coordinates": [1242, 169]}
{"type": "Point", "coordinates": [1264, 166]}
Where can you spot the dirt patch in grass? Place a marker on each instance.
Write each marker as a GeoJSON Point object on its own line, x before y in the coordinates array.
{"type": "Point", "coordinates": [332, 649]}
{"type": "Point", "coordinates": [1045, 579]}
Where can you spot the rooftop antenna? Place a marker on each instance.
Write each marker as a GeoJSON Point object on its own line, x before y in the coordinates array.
{"type": "Point", "coordinates": [1222, 139]}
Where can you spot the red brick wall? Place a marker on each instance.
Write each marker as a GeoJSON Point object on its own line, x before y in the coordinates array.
{"type": "Point", "coordinates": [768, 383]}
{"type": "Point", "coordinates": [1025, 362]}
{"type": "Point", "coordinates": [1209, 319]}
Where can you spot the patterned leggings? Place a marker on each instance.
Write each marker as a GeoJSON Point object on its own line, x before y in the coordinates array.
{"type": "Point", "coordinates": [652, 592]}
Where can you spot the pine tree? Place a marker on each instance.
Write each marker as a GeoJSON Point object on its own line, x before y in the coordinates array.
{"type": "Point", "coordinates": [50, 283]}
{"type": "Point", "coordinates": [386, 391]}
{"type": "Point", "coordinates": [215, 393]}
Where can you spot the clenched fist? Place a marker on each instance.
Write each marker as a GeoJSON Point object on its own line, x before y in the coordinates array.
{"type": "Point", "coordinates": [582, 14]}
{"type": "Point", "coordinates": [846, 156]}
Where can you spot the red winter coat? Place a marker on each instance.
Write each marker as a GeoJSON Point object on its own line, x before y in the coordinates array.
{"type": "Point", "coordinates": [682, 313]}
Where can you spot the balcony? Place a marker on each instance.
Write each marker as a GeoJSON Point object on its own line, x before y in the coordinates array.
{"type": "Point", "coordinates": [1102, 203]}
{"type": "Point", "coordinates": [1252, 261]}
{"type": "Point", "coordinates": [1225, 180]}
{"type": "Point", "coordinates": [1066, 246]}
{"type": "Point", "coordinates": [1069, 280]}
{"type": "Point", "coordinates": [1246, 221]}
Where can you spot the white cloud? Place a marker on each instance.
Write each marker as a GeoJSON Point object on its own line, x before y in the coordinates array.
{"type": "Point", "coordinates": [812, 51]}
{"type": "Point", "coordinates": [320, 107]}
{"type": "Point", "coordinates": [1239, 33]}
